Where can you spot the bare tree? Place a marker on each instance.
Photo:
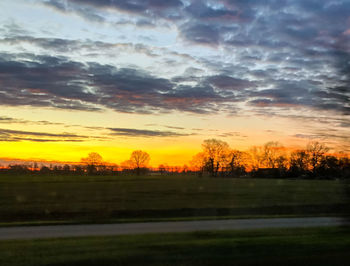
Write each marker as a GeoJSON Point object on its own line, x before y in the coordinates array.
{"type": "Point", "coordinates": [299, 162]}
{"type": "Point", "coordinates": [282, 163]}
{"type": "Point", "coordinates": [93, 160]}
{"type": "Point", "coordinates": [139, 159]}
{"type": "Point", "coordinates": [273, 154]}
{"type": "Point", "coordinates": [315, 152]}
{"type": "Point", "coordinates": [216, 152]}
{"type": "Point", "coordinates": [236, 162]}
{"type": "Point", "coordinates": [256, 158]}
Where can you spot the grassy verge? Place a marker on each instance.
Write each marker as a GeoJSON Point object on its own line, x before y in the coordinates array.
{"type": "Point", "coordinates": [312, 246]}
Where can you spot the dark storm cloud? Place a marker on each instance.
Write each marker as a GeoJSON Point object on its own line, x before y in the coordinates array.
{"type": "Point", "coordinates": [129, 132]}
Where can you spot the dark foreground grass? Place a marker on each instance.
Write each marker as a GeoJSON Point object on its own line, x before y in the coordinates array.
{"type": "Point", "coordinates": [315, 246]}
{"type": "Point", "coordinates": [101, 199]}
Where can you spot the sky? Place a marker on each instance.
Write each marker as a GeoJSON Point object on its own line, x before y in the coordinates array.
{"type": "Point", "coordinates": [108, 76]}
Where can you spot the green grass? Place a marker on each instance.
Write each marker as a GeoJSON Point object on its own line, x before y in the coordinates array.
{"type": "Point", "coordinates": [313, 246]}
{"type": "Point", "coordinates": [71, 199]}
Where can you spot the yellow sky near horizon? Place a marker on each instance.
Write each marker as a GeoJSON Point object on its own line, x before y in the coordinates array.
{"type": "Point", "coordinates": [169, 138]}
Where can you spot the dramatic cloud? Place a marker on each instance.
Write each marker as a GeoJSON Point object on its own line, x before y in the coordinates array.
{"type": "Point", "coordinates": [275, 54]}
{"type": "Point", "coordinates": [60, 83]}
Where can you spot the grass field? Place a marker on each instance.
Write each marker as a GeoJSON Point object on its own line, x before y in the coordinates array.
{"type": "Point", "coordinates": [316, 246]}
{"type": "Point", "coordinates": [57, 199]}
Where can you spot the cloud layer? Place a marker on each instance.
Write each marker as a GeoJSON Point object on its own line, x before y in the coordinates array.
{"type": "Point", "coordinates": [275, 54]}
{"type": "Point", "coordinates": [129, 132]}
{"type": "Point", "coordinates": [232, 57]}
{"type": "Point", "coordinates": [19, 135]}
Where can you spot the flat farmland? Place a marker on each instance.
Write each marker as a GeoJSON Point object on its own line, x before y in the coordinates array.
{"type": "Point", "coordinates": [89, 199]}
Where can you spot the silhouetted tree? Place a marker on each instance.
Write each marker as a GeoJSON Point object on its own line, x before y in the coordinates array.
{"type": "Point", "coordinates": [66, 169]}
{"type": "Point", "coordinates": [344, 165]}
{"type": "Point", "coordinates": [215, 152]}
{"type": "Point", "coordinates": [299, 163]}
{"type": "Point", "coordinates": [272, 154]}
{"type": "Point", "coordinates": [329, 167]}
{"type": "Point", "coordinates": [78, 169]}
{"type": "Point", "coordinates": [139, 159]}
{"type": "Point", "coordinates": [93, 160]}
{"type": "Point", "coordinates": [315, 152]}
{"type": "Point", "coordinates": [236, 162]}
{"type": "Point", "coordinates": [19, 169]}
{"type": "Point", "coordinates": [45, 170]}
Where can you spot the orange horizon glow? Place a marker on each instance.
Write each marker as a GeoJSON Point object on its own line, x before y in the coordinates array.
{"type": "Point", "coordinates": [153, 164]}
{"type": "Point", "coordinates": [186, 135]}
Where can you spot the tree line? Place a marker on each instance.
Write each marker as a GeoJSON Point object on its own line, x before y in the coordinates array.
{"type": "Point", "coordinates": [93, 164]}
{"type": "Point", "coordinates": [217, 159]}
{"type": "Point", "coordinates": [270, 160]}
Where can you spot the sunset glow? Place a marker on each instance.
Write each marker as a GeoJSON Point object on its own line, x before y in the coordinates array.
{"type": "Point", "coordinates": [117, 76]}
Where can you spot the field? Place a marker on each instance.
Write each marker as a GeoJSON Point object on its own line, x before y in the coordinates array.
{"type": "Point", "coordinates": [31, 199]}
{"type": "Point", "coordinates": [316, 246]}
